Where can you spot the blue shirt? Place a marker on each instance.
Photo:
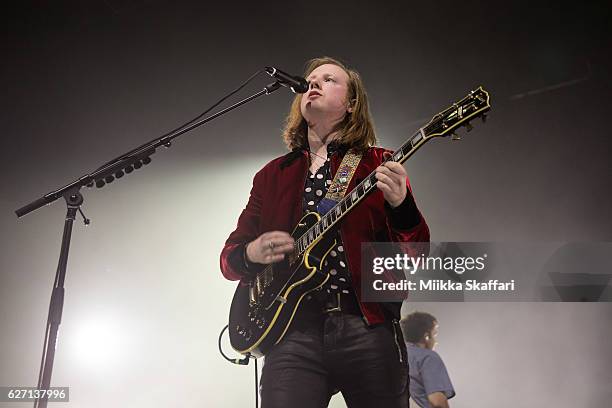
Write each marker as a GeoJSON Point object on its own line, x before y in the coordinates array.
{"type": "Point", "coordinates": [427, 375]}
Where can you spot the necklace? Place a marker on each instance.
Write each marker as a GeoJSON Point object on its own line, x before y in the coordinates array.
{"type": "Point", "coordinates": [318, 155]}
{"type": "Point", "coordinates": [315, 163]}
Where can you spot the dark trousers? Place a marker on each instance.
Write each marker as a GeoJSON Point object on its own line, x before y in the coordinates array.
{"type": "Point", "coordinates": [326, 353]}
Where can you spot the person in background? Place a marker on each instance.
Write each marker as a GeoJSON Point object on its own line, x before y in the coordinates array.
{"type": "Point", "coordinates": [430, 385]}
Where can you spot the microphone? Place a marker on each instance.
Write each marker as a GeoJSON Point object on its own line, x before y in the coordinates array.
{"type": "Point", "coordinates": [296, 83]}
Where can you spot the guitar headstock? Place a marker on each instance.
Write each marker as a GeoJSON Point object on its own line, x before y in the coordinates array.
{"type": "Point", "coordinates": [475, 104]}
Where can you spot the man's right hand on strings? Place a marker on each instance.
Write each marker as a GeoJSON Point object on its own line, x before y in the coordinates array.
{"type": "Point", "coordinates": [269, 247]}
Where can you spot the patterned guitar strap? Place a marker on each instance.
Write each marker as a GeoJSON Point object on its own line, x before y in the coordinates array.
{"type": "Point", "coordinates": [338, 187]}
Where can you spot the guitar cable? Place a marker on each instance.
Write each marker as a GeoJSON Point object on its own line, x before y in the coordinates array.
{"type": "Point", "coordinates": [239, 361]}
{"type": "Point", "coordinates": [242, 361]}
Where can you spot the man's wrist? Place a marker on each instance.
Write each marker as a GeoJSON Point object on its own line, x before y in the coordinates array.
{"type": "Point", "coordinates": [248, 264]}
{"type": "Point", "coordinates": [397, 203]}
{"type": "Point", "coordinates": [405, 215]}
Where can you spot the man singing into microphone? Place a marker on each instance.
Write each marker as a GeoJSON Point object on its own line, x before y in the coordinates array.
{"type": "Point", "coordinates": [335, 342]}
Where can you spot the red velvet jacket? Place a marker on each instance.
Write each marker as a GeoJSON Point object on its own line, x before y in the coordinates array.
{"type": "Point", "coordinates": [275, 203]}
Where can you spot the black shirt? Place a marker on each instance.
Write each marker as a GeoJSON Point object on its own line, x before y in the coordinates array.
{"type": "Point", "coordinates": [315, 189]}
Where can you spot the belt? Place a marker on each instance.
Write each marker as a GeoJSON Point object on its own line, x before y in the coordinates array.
{"type": "Point", "coordinates": [337, 302]}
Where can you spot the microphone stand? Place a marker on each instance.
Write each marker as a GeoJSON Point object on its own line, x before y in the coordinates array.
{"type": "Point", "coordinates": [114, 169]}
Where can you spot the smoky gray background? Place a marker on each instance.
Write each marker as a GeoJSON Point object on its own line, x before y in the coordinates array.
{"type": "Point", "coordinates": [85, 81]}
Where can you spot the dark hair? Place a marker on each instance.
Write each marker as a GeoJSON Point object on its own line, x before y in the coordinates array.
{"type": "Point", "coordinates": [416, 325]}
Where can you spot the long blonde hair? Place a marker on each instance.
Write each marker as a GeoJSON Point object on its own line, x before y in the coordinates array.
{"type": "Point", "coordinates": [356, 130]}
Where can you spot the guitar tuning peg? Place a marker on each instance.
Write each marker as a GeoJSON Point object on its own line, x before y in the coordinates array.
{"type": "Point", "coordinates": [455, 136]}
{"type": "Point", "coordinates": [469, 126]}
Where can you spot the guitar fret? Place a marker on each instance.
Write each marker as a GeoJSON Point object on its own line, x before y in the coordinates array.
{"type": "Point", "coordinates": [373, 179]}
{"type": "Point", "coordinates": [416, 138]}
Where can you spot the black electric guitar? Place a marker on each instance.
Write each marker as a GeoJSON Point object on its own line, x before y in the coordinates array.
{"type": "Point", "coordinates": [262, 311]}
